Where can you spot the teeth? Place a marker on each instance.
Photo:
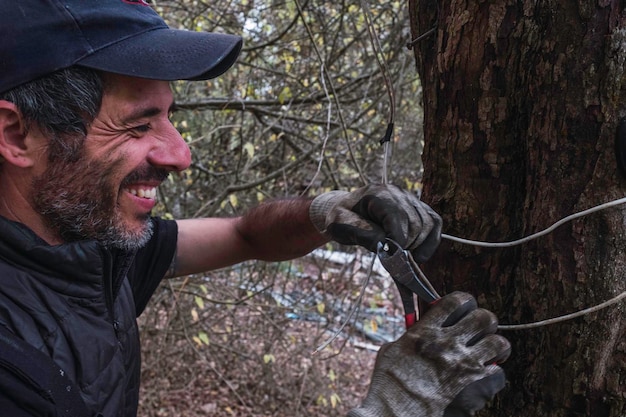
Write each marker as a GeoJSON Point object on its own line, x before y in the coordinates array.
{"type": "Point", "coordinates": [143, 193]}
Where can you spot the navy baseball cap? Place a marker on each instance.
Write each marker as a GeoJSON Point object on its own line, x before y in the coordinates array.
{"type": "Point", "coordinates": [127, 37]}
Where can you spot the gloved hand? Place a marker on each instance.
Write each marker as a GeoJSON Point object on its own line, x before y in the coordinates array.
{"type": "Point", "coordinates": [372, 213]}
{"type": "Point", "coordinates": [444, 366]}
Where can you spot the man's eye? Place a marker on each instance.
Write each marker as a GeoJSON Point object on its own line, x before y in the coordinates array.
{"type": "Point", "coordinates": [141, 128]}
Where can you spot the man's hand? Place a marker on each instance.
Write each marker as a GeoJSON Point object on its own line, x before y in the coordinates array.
{"type": "Point", "coordinates": [444, 366]}
{"type": "Point", "coordinates": [372, 213]}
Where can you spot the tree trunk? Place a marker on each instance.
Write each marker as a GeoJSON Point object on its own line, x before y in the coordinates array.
{"type": "Point", "coordinates": [521, 105]}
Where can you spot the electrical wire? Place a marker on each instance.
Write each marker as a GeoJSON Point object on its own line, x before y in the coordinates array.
{"type": "Point", "coordinates": [565, 317]}
{"type": "Point", "coordinates": [571, 217]}
{"type": "Point", "coordinates": [382, 64]}
{"type": "Point", "coordinates": [538, 234]}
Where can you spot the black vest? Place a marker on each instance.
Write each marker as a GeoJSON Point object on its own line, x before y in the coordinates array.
{"type": "Point", "coordinates": [75, 303]}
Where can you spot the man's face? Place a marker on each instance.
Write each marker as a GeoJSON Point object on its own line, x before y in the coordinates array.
{"type": "Point", "coordinates": [109, 191]}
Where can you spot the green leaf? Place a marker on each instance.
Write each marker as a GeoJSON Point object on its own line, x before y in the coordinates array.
{"type": "Point", "coordinates": [321, 307]}
{"type": "Point", "coordinates": [204, 338]}
{"type": "Point", "coordinates": [199, 302]}
{"type": "Point", "coordinates": [284, 95]}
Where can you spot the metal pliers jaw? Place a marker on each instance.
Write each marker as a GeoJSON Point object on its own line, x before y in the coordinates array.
{"type": "Point", "coordinates": [407, 276]}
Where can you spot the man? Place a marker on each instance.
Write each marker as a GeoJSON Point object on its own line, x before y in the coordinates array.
{"type": "Point", "coordinates": [85, 140]}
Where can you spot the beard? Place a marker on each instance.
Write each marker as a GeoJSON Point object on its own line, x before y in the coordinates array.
{"type": "Point", "coordinates": [78, 200]}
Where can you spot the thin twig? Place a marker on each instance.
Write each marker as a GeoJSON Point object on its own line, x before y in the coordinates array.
{"type": "Point", "coordinates": [334, 91]}
{"type": "Point", "coordinates": [356, 307]}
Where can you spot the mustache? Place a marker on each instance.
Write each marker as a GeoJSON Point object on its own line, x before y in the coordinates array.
{"type": "Point", "coordinates": [146, 174]}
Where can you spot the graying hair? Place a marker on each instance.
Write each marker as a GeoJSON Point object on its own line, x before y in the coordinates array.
{"type": "Point", "coordinates": [62, 105]}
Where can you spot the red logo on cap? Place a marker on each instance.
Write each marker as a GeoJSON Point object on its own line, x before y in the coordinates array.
{"type": "Point", "coordinates": [140, 2]}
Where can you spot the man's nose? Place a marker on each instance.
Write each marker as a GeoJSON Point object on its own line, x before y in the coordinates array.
{"type": "Point", "coordinates": [171, 151]}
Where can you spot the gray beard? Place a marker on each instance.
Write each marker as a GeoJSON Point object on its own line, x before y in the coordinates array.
{"type": "Point", "coordinates": [77, 201]}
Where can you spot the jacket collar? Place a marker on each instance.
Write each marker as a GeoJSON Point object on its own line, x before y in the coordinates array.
{"type": "Point", "coordinates": [81, 260]}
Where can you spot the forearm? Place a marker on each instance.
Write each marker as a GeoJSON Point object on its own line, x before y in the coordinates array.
{"type": "Point", "coordinates": [280, 230]}
{"type": "Point", "coordinates": [273, 231]}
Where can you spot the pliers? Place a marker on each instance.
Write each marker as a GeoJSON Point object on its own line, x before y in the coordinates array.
{"type": "Point", "coordinates": [408, 278]}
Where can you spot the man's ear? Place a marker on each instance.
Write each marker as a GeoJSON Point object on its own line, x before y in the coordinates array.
{"type": "Point", "coordinates": [16, 147]}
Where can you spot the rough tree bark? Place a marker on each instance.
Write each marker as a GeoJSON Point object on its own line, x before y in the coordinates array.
{"type": "Point", "coordinates": [522, 100]}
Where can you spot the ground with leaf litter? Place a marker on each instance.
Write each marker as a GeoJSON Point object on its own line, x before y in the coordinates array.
{"type": "Point", "coordinates": [251, 341]}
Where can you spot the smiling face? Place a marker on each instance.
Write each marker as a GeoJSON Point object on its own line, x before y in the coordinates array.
{"type": "Point", "coordinates": [109, 191]}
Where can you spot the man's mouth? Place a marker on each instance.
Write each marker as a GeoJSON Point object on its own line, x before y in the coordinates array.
{"type": "Point", "coordinates": [142, 192]}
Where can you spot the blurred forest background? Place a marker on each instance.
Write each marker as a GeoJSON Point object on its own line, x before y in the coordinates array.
{"type": "Point", "coordinates": [301, 113]}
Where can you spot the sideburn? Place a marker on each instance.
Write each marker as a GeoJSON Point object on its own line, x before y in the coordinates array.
{"type": "Point", "coordinates": [65, 148]}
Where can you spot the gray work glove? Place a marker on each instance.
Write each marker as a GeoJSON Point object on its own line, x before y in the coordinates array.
{"type": "Point", "coordinates": [444, 366]}
{"type": "Point", "coordinates": [377, 211]}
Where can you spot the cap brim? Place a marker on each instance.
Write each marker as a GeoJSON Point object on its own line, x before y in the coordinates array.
{"type": "Point", "coordinates": [168, 55]}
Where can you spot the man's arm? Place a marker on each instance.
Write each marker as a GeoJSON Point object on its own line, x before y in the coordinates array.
{"type": "Point", "coordinates": [273, 231]}
{"type": "Point", "coordinates": [286, 229]}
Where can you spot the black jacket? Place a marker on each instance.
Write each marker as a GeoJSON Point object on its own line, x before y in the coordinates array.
{"type": "Point", "coordinates": [78, 303]}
